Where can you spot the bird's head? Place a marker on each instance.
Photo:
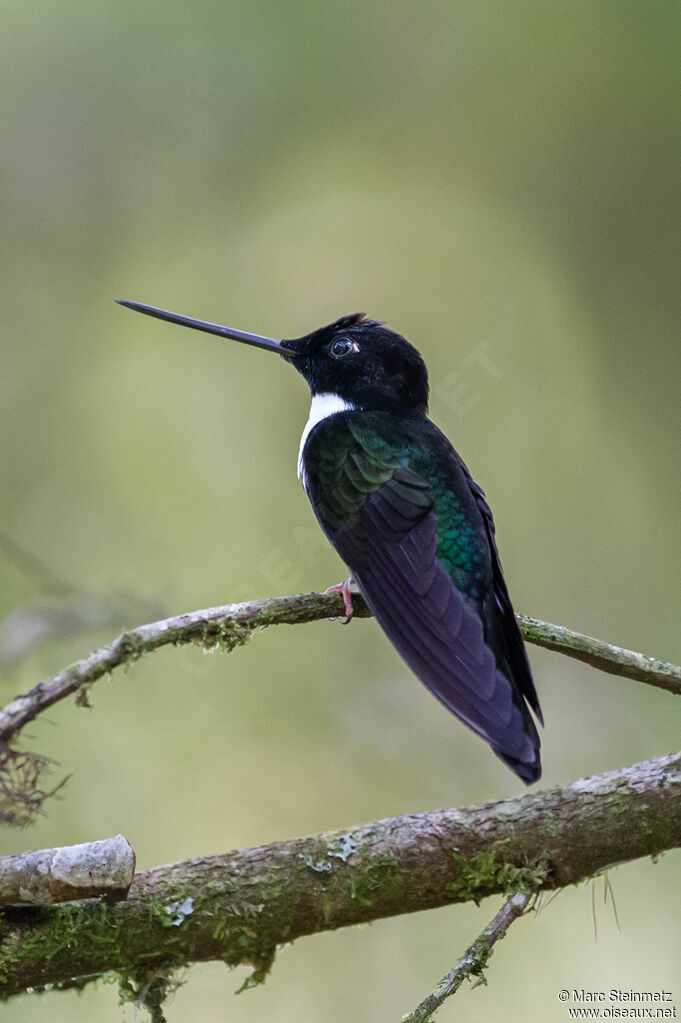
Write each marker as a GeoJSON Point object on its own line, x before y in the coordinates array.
{"type": "Point", "coordinates": [360, 360]}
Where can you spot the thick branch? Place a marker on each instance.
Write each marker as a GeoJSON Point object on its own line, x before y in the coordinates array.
{"type": "Point", "coordinates": [240, 906]}
{"type": "Point", "coordinates": [232, 624]}
{"type": "Point", "coordinates": [104, 868]}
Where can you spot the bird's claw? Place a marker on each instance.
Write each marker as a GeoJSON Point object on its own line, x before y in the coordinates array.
{"type": "Point", "coordinates": [344, 588]}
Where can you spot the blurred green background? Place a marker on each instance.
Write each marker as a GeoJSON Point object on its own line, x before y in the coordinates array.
{"type": "Point", "coordinates": [497, 181]}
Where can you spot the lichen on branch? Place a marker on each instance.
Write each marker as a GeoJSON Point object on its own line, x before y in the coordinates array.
{"type": "Point", "coordinates": [241, 906]}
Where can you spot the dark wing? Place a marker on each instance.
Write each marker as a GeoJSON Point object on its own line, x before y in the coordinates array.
{"type": "Point", "coordinates": [505, 634]}
{"type": "Point", "coordinates": [378, 507]}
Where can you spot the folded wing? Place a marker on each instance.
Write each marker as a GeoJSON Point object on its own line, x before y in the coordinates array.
{"type": "Point", "coordinates": [438, 594]}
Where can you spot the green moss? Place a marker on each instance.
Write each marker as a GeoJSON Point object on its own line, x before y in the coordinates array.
{"type": "Point", "coordinates": [9, 952]}
{"type": "Point", "coordinates": [59, 927]}
{"type": "Point", "coordinates": [487, 872]}
{"type": "Point", "coordinates": [131, 647]}
{"type": "Point", "coordinates": [271, 615]}
{"type": "Point", "coordinates": [477, 959]}
{"type": "Point", "coordinates": [148, 989]}
{"type": "Point", "coordinates": [56, 928]}
{"type": "Point", "coordinates": [261, 969]}
{"type": "Point", "coordinates": [65, 924]}
{"type": "Point", "coordinates": [83, 696]}
{"type": "Point", "coordinates": [223, 635]}
{"type": "Point", "coordinates": [379, 877]}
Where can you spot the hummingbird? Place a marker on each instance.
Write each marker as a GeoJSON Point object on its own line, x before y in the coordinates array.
{"type": "Point", "coordinates": [401, 509]}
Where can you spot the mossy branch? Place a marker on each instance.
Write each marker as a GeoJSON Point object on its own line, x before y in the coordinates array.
{"type": "Point", "coordinates": [239, 907]}
{"type": "Point", "coordinates": [232, 624]}
{"type": "Point", "coordinates": [23, 787]}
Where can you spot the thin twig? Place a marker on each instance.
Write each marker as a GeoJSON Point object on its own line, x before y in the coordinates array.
{"type": "Point", "coordinates": [616, 660]}
{"type": "Point", "coordinates": [232, 624]}
{"type": "Point", "coordinates": [474, 960]}
{"type": "Point", "coordinates": [216, 627]}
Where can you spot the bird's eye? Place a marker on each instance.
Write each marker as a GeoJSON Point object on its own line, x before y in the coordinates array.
{"type": "Point", "coordinates": [341, 347]}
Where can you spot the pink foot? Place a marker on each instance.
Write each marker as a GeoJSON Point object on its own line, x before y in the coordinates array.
{"type": "Point", "coordinates": [345, 589]}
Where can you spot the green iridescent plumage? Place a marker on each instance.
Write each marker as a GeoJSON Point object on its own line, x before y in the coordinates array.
{"type": "Point", "coordinates": [366, 453]}
{"type": "Point", "coordinates": [401, 509]}
{"type": "Point", "coordinates": [398, 504]}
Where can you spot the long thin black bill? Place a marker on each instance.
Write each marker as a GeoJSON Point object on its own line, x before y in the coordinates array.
{"type": "Point", "coordinates": [210, 328]}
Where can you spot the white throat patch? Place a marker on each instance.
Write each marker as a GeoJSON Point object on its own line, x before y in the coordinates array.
{"type": "Point", "coordinates": [323, 405]}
